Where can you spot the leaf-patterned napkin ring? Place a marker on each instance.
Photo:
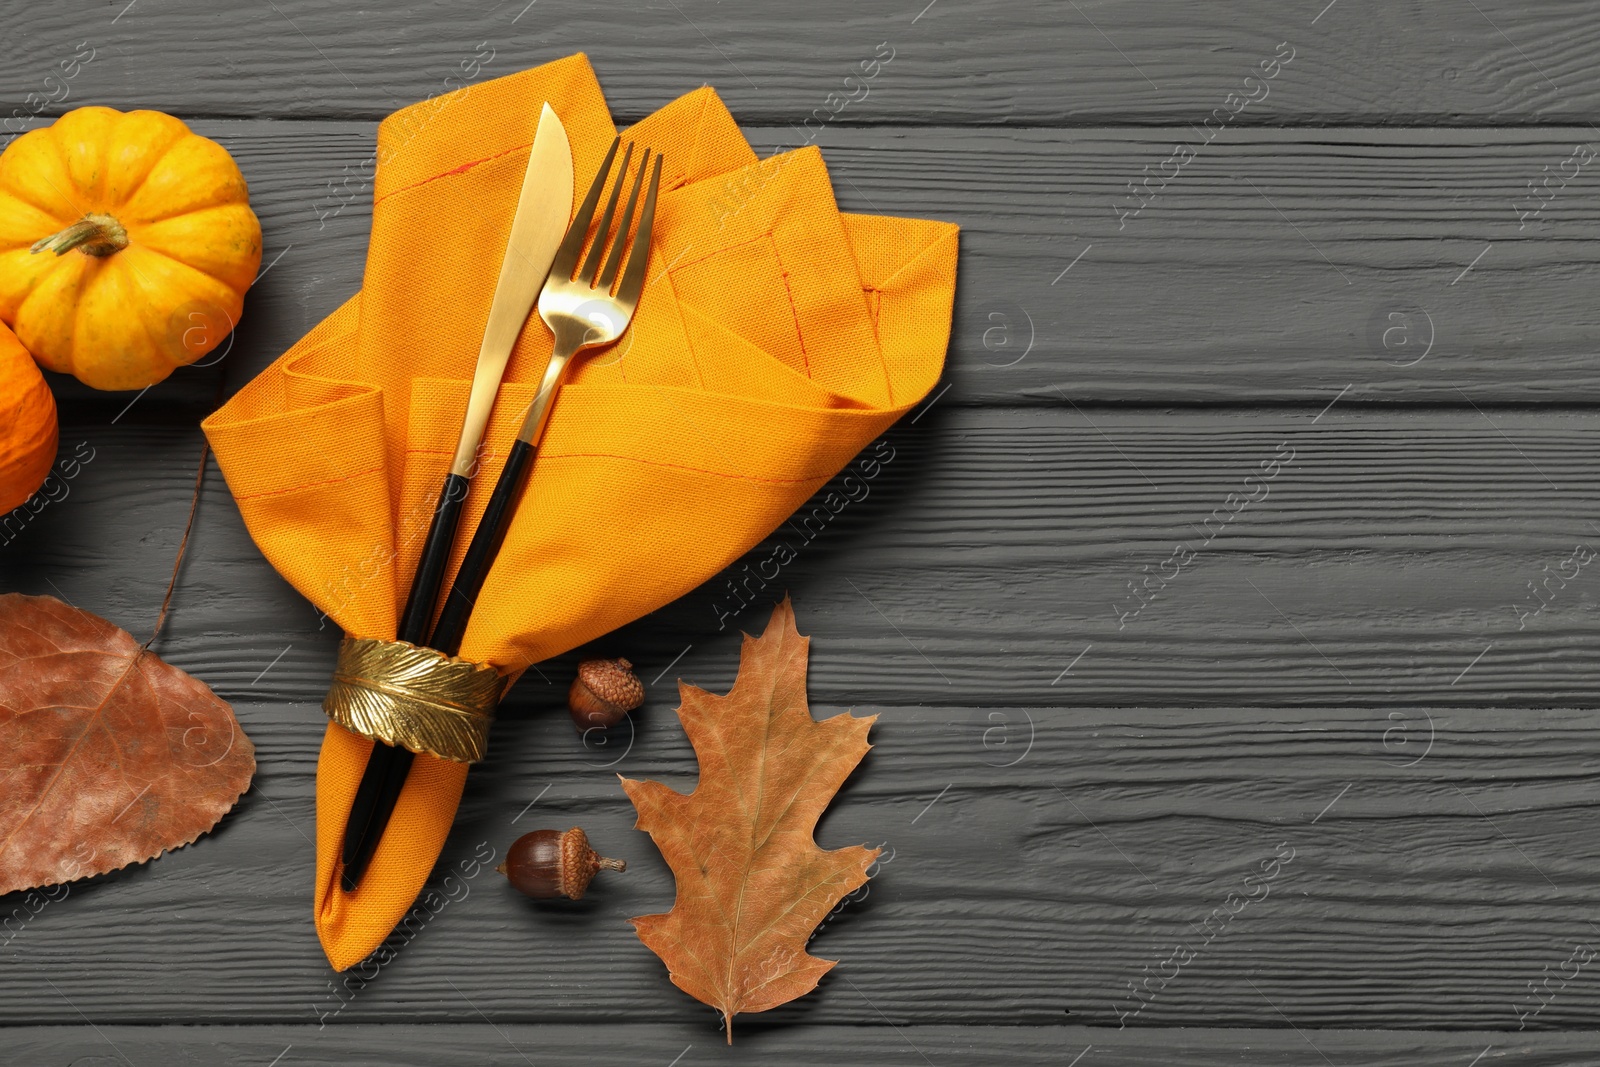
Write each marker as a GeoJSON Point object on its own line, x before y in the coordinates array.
{"type": "Point", "coordinates": [417, 698]}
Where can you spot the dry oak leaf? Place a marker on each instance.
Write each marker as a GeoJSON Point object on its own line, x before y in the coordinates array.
{"type": "Point", "coordinates": [752, 883]}
{"type": "Point", "coordinates": [108, 756]}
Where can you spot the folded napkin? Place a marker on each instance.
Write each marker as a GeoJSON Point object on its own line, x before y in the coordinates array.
{"type": "Point", "coordinates": [775, 338]}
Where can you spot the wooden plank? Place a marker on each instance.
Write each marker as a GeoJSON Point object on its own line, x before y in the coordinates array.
{"type": "Point", "coordinates": [1354, 684]}
{"type": "Point", "coordinates": [1275, 265]}
{"type": "Point", "coordinates": [1408, 558]}
{"type": "Point", "coordinates": [985, 61]}
{"type": "Point", "coordinates": [1229, 287]}
{"type": "Point", "coordinates": [1433, 870]}
{"type": "Point", "coordinates": [403, 1045]}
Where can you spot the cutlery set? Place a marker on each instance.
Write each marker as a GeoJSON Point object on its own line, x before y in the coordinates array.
{"type": "Point", "coordinates": [587, 309]}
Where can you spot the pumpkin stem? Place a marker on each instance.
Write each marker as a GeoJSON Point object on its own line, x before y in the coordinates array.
{"type": "Point", "coordinates": [93, 235]}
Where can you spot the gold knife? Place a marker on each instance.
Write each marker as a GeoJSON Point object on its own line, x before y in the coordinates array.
{"type": "Point", "coordinates": [536, 231]}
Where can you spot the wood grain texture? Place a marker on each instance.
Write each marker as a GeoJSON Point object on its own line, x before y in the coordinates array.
{"type": "Point", "coordinates": [1353, 669]}
{"type": "Point", "coordinates": [1389, 562]}
{"type": "Point", "coordinates": [987, 61]}
{"type": "Point", "coordinates": [1276, 266]}
{"type": "Point", "coordinates": [1437, 864]}
{"type": "Point", "coordinates": [1229, 287]}
{"type": "Point", "coordinates": [401, 1045]}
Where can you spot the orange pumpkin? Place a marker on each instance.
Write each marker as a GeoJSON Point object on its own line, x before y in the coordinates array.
{"type": "Point", "coordinates": [126, 245]}
{"type": "Point", "coordinates": [27, 424]}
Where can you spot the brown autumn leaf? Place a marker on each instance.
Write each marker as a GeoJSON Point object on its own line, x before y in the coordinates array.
{"type": "Point", "coordinates": [752, 883]}
{"type": "Point", "coordinates": [108, 756]}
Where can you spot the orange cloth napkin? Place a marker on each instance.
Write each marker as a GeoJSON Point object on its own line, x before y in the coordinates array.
{"type": "Point", "coordinates": [774, 339]}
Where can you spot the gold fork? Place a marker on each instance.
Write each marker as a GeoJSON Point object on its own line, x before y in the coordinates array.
{"type": "Point", "coordinates": [582, 312]}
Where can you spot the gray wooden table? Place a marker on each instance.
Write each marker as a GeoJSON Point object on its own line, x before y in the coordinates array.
{"type": "Point", "coordinates": [1364, 281]}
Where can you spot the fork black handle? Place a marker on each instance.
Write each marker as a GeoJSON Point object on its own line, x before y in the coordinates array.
{"type": "Point", "coordinates": [485, 546]}
{"type": "Point", "coordinates": [389, 765]}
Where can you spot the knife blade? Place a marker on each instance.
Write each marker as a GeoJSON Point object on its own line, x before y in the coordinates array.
{"type": "Point", "coordinates": [536, 232]}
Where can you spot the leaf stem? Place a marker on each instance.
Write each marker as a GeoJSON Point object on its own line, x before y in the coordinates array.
{"type": "Point", "coordinates": [177, 564]}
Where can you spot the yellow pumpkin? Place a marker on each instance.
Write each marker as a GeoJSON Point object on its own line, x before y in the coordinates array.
{"type": "Point", "coordinates": [126, 245]}
{"type": "Point", "coordinates": [27, 424]}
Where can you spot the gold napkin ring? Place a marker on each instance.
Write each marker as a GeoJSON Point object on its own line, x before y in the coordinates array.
{"type": "Point", "coordinates": [417, 698]}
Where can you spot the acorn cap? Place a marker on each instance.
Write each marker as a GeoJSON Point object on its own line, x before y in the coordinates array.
{"type": "Point", "coordinates": [612, 681]}
{"type": "Point", "coordinates": [579, 863]}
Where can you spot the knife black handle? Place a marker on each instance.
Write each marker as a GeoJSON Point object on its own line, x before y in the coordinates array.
{"type": "Point", "coordinates": [429, 576]}
{"type": "Point", "coordinates": [376, 797]}
{"type": "Point", "coordinates": [379, 792]}
{"type": "Point", "coordinates": [481, 553]}
{"type": "Point", "coordinates": [387, 767]}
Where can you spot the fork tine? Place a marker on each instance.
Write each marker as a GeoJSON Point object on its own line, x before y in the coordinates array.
{"type": "Point", "coordinates": [591, 262]}
{"type": "Point", "coordinates": [639, 257]}
{"type": "Point", "coordinates": [614, 259]}
{"type": "Point", "coordinates": [572, 243]}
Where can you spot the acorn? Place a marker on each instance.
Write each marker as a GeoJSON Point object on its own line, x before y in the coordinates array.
{"type": "Point", "coordinates": [546, 863]}
{"type": "Point", "coordinates": [603, 692]}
